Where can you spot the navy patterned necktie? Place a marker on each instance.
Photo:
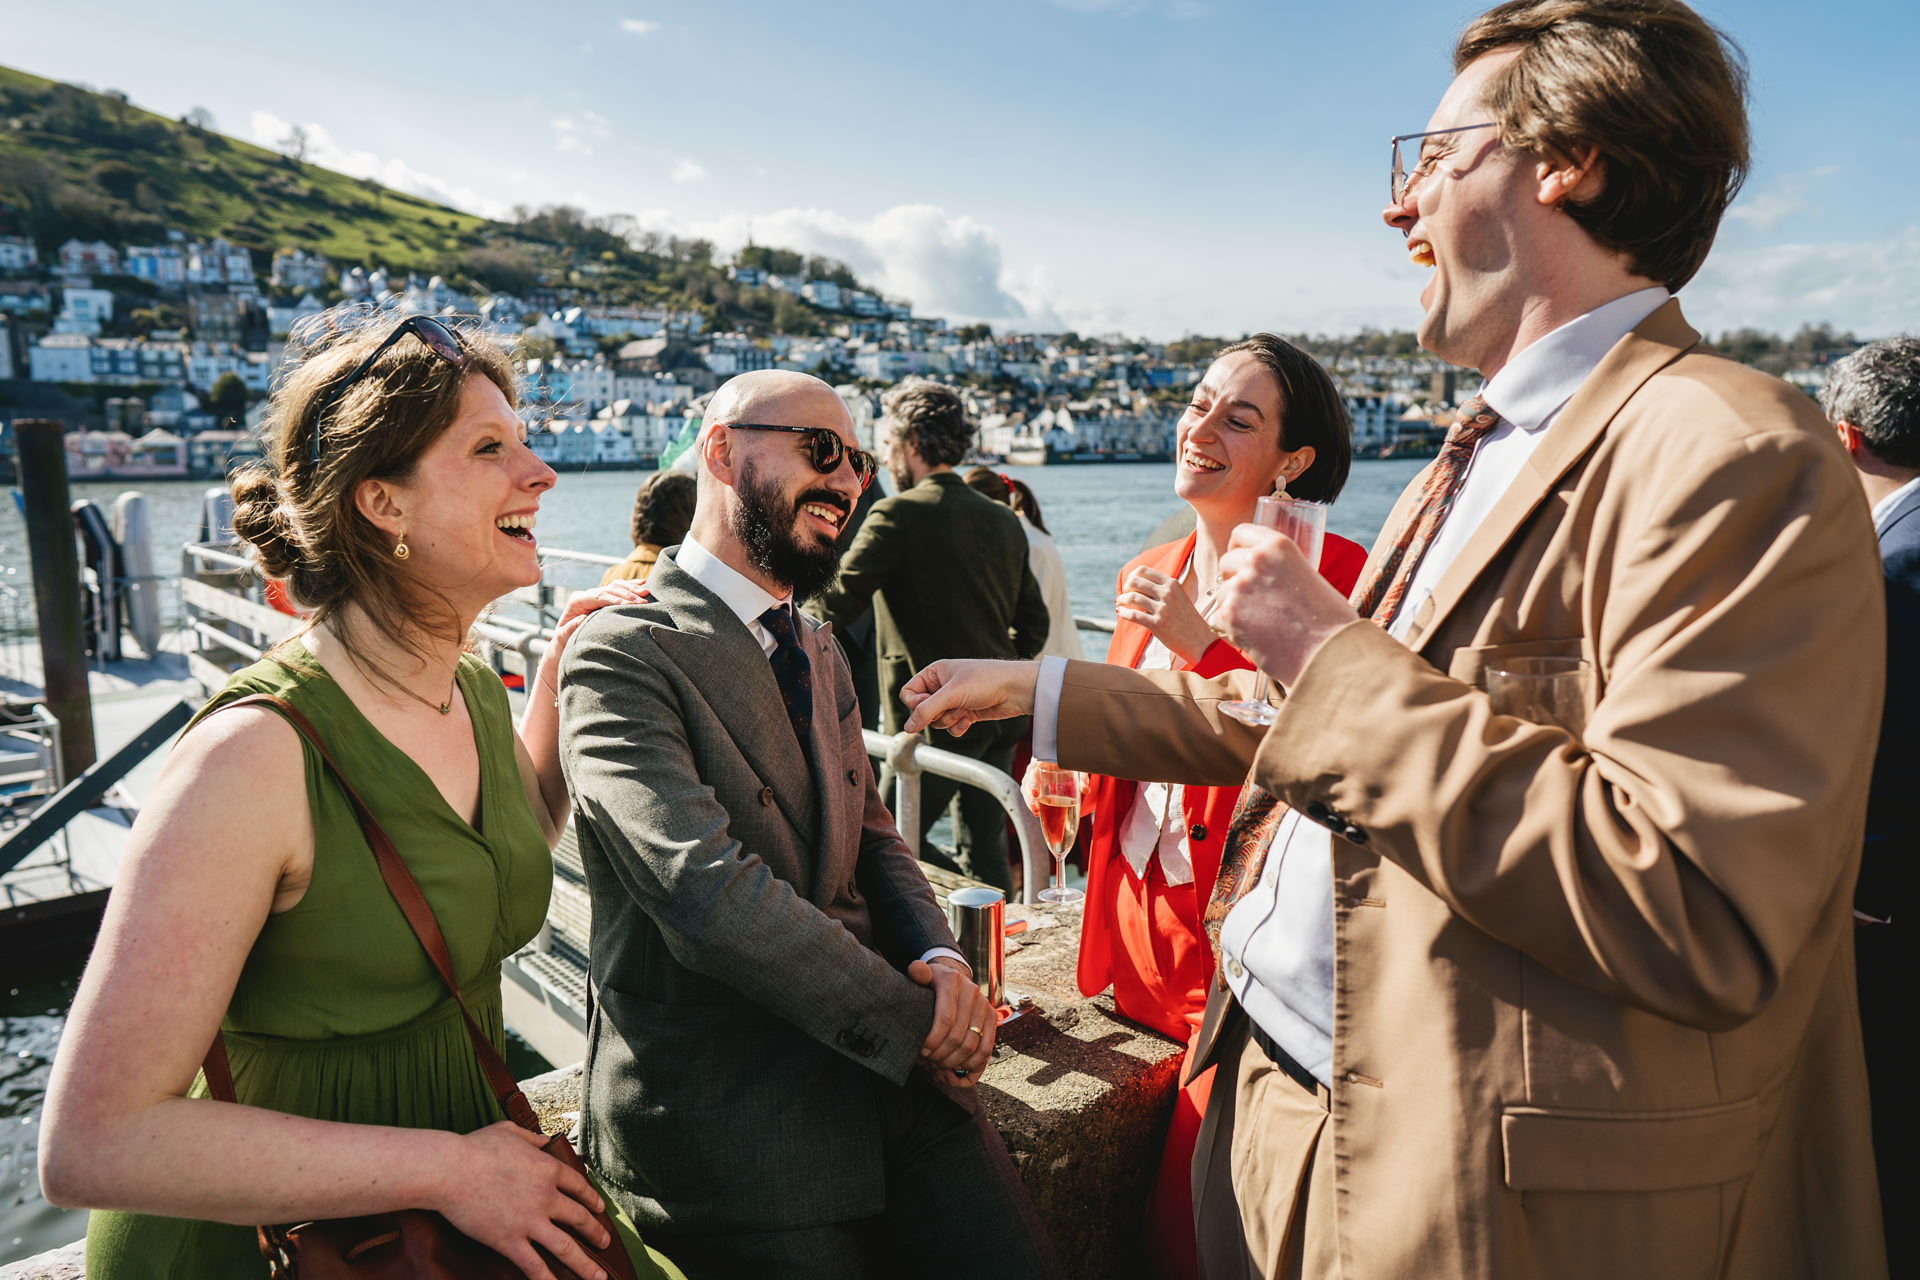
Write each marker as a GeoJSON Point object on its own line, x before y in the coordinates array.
{"type": "Point", "coordinates": [793, 672]}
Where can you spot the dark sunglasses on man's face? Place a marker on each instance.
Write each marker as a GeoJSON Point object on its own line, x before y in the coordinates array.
{"type": "Point", "coordinates": [824, 447]}
{"type": "Point", "coordinates": [439, 339]}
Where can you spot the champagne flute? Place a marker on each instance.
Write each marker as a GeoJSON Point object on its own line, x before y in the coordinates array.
{"type": "Point", "coordinates": [1306, 523]}
{"type": "Point", "coordinates": [1056, 802]}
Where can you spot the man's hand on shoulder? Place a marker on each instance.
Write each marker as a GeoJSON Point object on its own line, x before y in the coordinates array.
{"type": "Point", "coordinates": [961, 1039]}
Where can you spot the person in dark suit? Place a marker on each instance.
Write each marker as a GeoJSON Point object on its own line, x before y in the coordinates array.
{"type": "Point", "coordinates": [776, 986]}
{"type": "Point", "coordinates": [1873, 400]}
{"type": "Point", "coordinates": [946, 571]}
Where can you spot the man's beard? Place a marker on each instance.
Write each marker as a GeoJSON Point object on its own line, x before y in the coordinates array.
{"type": "Point", "coordinates": [765, 523]}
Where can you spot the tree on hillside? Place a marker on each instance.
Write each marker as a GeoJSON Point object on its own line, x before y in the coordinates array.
{"type": "Point", "coordinates": [295, 145]}
{"type": "Point", "coordinates": [227, 401]}
{"type": "Point", "coordinates": [779, 262]}
{"type": "Point", "coordinates": [502, 268]}
{"type": "Point", "coordinates": [829, 269]}
{"type": "Point", "coordinates": [199, 119]}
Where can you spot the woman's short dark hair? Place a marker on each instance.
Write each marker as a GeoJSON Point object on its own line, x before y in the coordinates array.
{"type": "Point", "coordinates": [1657, 90]}
{"type": "Point", "coordinates": [663, 509]}
{"type": "Point", "coordinates": [931, 418]}
{"type": "Point", "coordinates": [1312, 412]}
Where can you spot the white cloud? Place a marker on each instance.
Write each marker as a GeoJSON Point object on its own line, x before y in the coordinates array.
{"type": "Point", "coordinates": [946, 264]}
{"type": "Point", "coordinates": [1867, 286]}
{"type": "Point", "coordinates": [323, 150]}
{"type": "Point", "coordinates": [638, 26]}
{"type": "Point", "coordinates": [579, 132]}
{"type": "Point", "coordinates": [687, 171]}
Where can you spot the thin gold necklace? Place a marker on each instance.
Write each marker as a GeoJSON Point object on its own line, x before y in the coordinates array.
{"type": "Point", "coordinates": [443, 708]}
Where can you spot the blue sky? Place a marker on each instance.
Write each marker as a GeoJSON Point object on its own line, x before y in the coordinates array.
{"type": "Point", "coordinates": [1157, 167]}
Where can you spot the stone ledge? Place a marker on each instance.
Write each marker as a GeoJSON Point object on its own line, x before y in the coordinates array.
{"type": "Point", "coordinates": [68, 1262]}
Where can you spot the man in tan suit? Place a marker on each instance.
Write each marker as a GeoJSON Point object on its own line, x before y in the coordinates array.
{"type": "Point", "coordinates": [1499, 998]}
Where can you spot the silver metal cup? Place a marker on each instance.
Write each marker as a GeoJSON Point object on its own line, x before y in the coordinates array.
{"type": "Point", "coordinates": [977, 915]}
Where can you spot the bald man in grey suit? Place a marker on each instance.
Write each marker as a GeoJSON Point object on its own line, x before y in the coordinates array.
{"type": "Point", "coordinates": [776, 986]}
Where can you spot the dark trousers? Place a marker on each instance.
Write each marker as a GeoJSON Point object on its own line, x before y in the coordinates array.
{"type": "Point", "coordinates": [979, 823]}
{"type": "Point", "coordinates": [1884, 958]}
{"type": "Point", "coordinates": [955, 1208]}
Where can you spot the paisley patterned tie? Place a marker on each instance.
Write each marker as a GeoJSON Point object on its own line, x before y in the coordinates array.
{"type": "Point", "coordinates": [793, 672]}
{"type": "Point", "coordinates": [1377, 597]}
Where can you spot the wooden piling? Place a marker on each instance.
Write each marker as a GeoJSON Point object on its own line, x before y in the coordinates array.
{"type": "Point", "coordinates": [41, 459]}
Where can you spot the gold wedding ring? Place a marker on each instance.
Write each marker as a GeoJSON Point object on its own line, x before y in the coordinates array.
{"type": "Point", "coordinates": [975, 1030]}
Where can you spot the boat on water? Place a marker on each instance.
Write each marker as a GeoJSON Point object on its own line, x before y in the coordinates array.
{"type": "Point", "coordinates": [1051, 457]}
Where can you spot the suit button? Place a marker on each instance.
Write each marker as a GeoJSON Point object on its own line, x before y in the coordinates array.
{"type": "Point", "coordinates": [1233, 967]}
{"type": "Point", "coordinates": [843, 1040]}
{"type": "Point", "coordinates": [1354, 835]}
{"type": "Point", "coordinates": [1319, 812]}
{"type": "Point", "coordinates": [1197, 832]}
{"type": "Point", "coordinates": [766, 795]}
{"type": "Point", "coordinates": [853, 778]}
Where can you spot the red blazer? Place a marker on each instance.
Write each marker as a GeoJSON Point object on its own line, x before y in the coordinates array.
{"type": "Point", "coordinates": [1207, 809]}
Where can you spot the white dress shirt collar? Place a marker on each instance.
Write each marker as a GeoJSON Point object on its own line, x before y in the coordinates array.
{"type": "Point", "coordinates": [1544, 376]}
{"type": "Point", "coordinates": [745, 597]}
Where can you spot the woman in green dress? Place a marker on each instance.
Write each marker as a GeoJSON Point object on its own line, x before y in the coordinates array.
{"type": "Point", "coordinates": [400, 503]}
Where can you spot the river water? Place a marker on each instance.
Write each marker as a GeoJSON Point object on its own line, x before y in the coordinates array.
{"type": "Point", "coordinates": [1099, 516]}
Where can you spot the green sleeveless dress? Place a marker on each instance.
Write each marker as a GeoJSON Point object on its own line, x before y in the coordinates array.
{"type": "Point", "coordinates": [338, 1014]}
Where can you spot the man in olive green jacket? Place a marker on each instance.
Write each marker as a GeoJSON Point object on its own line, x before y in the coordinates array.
{"type": "Point", "coordinates": [946, 572]}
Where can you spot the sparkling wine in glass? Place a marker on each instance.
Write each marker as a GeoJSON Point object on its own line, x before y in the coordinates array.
{"type": "Point", "coordinates": [1306, 523]}
{"type": "Point", "coordinates": [1057, 805]}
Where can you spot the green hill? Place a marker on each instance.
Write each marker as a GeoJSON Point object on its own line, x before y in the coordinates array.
{"type": "Point", "coordinates": [78, 163]}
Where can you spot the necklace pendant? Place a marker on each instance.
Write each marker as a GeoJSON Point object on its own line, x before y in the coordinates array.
{"type": "Point", "coordinates": [446, 707]}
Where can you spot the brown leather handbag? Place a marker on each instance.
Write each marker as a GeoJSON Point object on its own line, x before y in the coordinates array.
{"type": "Point", "coordinates": [407, 1244]}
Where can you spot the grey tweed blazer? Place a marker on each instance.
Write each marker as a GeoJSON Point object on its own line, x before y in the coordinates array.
{"type": "Point", "coordinates": [752, 922]}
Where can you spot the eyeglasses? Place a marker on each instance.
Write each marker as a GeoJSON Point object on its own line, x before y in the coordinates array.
{"type": "Point", "coordinates": [1403, 181]}
{"type": "Point", "coordinates": [439, 339]}
{"type": "Point", "coordinates": [825, 448]}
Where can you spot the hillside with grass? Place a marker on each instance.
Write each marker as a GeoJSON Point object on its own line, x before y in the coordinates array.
{"type": "Point", "coordinates": [75, 163]}
{"type": "Point", "coordinates": [79, 163]}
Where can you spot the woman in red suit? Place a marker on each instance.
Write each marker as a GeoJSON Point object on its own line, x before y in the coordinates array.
{"type": "Point", "coordinates": [1266, 417]}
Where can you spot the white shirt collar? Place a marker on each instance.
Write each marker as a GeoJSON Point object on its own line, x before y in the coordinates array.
{"type": "Point", "coordinates": [1884, 508]}
{"type": "Point", "coordinates": [1544, 376]}
{"type": "Point", "coordinates": [747, 598]}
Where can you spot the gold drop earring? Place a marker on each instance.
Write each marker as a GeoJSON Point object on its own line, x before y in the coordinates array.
{"type": "Point", "coordinates": [400, 549]}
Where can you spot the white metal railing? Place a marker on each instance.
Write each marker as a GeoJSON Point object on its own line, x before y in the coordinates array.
{"type": "Point", "coordinates": [222, 619]}
{"type": "Point", "coordinates": [910, 756]}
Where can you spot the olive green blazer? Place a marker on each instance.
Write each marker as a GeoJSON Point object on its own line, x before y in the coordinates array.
{"type": "Point", "coordinates": [946, 571]}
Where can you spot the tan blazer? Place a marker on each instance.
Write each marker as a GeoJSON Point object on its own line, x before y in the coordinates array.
{"type": "Point", "coordinates": [1594, 1009]}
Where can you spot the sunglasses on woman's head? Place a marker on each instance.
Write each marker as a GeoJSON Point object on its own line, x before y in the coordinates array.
{"type": "Point", "coordinates": [825, 448]}
{"type": "Point", "coordinates": [439, 339]}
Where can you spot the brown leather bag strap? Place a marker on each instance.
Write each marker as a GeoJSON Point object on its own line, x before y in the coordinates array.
{"type": "Point", "coordinates": [419, 916]}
